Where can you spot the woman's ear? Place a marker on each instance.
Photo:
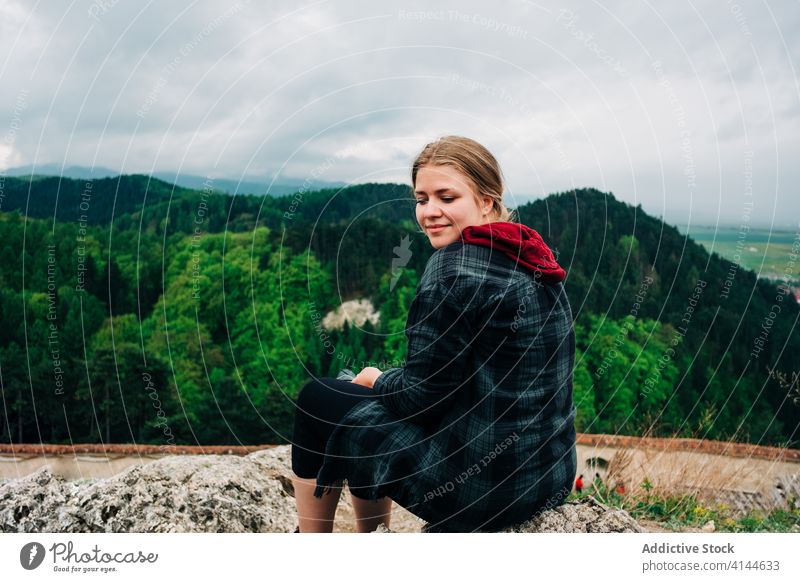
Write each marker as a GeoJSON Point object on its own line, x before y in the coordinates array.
{"type": "Point", "coordinates": [488, 205]}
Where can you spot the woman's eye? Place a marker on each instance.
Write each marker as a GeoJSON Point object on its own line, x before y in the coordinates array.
{"type": "Point", "coordinates": [421, 201]}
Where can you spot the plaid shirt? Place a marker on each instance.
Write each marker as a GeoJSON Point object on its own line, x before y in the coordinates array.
{"type": "Point", "coordinates": [475, 432]}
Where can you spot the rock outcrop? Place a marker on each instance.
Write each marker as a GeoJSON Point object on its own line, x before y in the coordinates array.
{"type": "Point", "coordinates": [219, 493]}
{"type": "Point", "coordinates": [198, 493]}
{"type": "Point", "coordinates": [585, 516]}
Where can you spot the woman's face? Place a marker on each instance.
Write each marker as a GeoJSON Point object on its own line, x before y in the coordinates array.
{"type": "Point", "coordinates": [447, 203]}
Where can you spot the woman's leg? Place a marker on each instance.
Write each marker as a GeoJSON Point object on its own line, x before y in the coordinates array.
{"type": "Point", "coordinates": [371, 513]}
{"type": "Point", "coordinates": [315, 515]}
{"type": "Point", "coordinates": [320, 406]}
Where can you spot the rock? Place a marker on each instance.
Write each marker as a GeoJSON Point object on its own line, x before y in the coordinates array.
{"type": "Point", "coordinates": [35, 503]}
{"type": "Point", "coordinates": [585, 515]}
{"type": "Point", "coordinates": [709, 527]}
{"type": "Point", "coordinates": [204, 493]}
{"type": "Point", "coordinates": [220, 493]}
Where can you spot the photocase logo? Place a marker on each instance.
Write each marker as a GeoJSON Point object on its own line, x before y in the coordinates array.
{"type": "Point", "coordinates": [402, 256]}
{"type": "Point", "coordinates": [31, 555]}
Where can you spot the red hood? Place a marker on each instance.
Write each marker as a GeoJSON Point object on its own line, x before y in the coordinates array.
{"type": "Point", "coordinates": [521, 243]}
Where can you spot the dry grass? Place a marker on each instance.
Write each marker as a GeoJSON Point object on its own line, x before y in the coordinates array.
{"type": "Point", "coordinates": [685, 478]}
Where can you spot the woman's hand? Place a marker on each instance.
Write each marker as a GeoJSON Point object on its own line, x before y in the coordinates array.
{"type": "Point", "coordinates": [367, 377]}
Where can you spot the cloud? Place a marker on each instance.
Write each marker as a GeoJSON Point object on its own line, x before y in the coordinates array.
{"type": "Point", "coordinates": [658, 103]}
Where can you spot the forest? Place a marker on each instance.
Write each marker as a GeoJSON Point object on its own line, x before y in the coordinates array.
{"type": "Point", "coordinates": [133, 310]}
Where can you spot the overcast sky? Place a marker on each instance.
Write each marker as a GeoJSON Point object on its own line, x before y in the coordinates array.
{"type": "Point", "coordinates": [690, 108]}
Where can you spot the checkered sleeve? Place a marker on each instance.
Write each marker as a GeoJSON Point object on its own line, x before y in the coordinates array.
{"type": "Point", "coordinates": [439, 333]}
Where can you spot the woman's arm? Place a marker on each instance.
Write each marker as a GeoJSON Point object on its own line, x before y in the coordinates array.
{"type": "Point", "coordinates": [439, 333]}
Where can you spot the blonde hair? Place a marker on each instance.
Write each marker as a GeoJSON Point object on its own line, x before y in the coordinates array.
{"type": "Point", "coordinates": [471, 159]}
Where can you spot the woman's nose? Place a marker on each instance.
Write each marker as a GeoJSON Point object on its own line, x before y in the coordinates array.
{"type": "Point", "coordinates": [432, 209]}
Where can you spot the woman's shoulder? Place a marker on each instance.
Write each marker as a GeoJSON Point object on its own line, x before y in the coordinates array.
{"type": "Point", "coordinates": [447, 263]}
{"type": "Point", "coordinates": [468, 265]}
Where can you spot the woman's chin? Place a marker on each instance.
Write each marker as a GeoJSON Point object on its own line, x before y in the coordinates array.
{"type": "Point", "coordinates": [439, 242]}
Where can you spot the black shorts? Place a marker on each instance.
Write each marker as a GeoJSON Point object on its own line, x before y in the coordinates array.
{"type": "Point", "coordinates": [321, 405]}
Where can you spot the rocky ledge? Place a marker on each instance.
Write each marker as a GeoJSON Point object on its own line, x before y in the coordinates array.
{"type": "Point", "coordinates": [221, 493]}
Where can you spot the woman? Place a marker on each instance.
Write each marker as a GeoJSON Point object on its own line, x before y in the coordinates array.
{"type": "Point", "coordinates": [475, 432]}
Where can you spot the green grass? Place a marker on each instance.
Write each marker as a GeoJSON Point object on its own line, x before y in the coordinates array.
{"type": "Point", "coordinates": [679, 512]}
{"type": "Point", "coordinates": [766, 252]}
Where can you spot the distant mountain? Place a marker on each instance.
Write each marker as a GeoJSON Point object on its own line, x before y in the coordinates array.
{"type": "Point", "coordinates": [250, 185]}
{"type": "Point", "coordinates": [96, 200]}
{"type": "Point", "coordinates": [130, 198]}
{"type": "Point", "coordinates": [247, 185]}
{"type": "Point", "coordinates": [74, 172]}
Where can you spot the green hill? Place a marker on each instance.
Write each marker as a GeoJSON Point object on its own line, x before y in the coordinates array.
{"type": "Point", "coordinates": [209, 306]}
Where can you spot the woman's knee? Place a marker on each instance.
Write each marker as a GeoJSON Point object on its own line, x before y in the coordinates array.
{"type": "Point", "coordinates": [309, 394]}
{"type": "Point", "coordinates": [329, 399]}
